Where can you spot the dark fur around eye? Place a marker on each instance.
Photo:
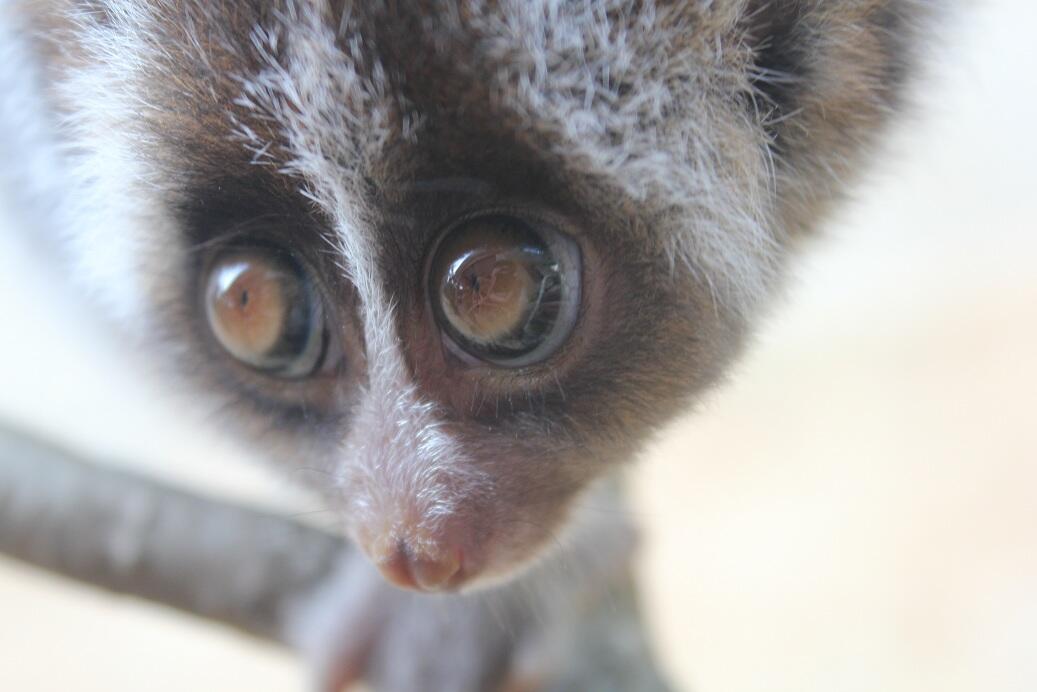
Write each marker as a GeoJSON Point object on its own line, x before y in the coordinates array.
{"type": "Point", "coordinates": [791, 52]}
{"type": "Point", "coordinates": [466, 162]}
{"type": "Point", "coordinates": [222, 215]}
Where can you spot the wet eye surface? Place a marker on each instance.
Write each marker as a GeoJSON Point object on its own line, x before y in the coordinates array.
{"type": "Point", "coordinates": [505, 291]}
{"type": "Point", "coordinates": [265, 310]}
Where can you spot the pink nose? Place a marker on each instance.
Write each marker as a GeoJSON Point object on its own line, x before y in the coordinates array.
{"type": "Point", "coordinates": [410, 570]}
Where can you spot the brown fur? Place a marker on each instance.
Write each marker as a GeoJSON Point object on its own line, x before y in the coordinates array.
{"type": "Point", "coordinates": [684, 146]}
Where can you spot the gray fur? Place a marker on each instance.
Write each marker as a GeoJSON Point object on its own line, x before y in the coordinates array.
{"type": "Point", "coordinates": [687, 145]}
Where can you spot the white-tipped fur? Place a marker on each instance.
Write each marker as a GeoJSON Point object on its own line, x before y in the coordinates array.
{"type": "Point", "coordinates": [399, 464]}
{"type": "Point", "coordinates": [648, 100]}
{"type": "Point", "coordinates": [111, 208]}
{"type": "Point", "coordinates": [651, 107]}
{"type": "Point", "coordinates": [567, 70]}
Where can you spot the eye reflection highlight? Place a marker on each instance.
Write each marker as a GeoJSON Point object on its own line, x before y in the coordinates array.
{"type": "Point", "coordinates": [504, 292]}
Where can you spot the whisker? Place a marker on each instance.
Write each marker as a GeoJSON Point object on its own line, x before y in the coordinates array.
{"type": "Point", "coordinates": [238, 229]}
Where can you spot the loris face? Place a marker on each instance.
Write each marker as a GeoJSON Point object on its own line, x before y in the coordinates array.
{"type": "Point", "coordinates": [452, 262]}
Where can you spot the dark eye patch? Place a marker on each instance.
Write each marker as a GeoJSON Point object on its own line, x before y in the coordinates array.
{"type": "Point", "coordinates": [780, 66]}
{"type": "Point", "coordinates": [264, 217]}
{"type": "Point", "coordinates": [645, 313]}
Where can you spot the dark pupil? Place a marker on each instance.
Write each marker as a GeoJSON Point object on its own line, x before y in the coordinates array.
{"type": "Point", "coordinates": [500, 289]}
{"type": "Point", "coordinates": [298, 321]}
{"type": "Point", "coordinates": [264, 309]}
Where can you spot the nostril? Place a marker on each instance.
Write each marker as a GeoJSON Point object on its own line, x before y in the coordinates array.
{"type": "Point", "coordinates": [421, 572]}
{"type": "Point", "coordinates": [397, 569]}
{"type": "Point", "coordinates": [435, 574]}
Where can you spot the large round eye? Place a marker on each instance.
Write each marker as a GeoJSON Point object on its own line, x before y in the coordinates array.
{"type": "Point", "coordinates": [264, 310]}
{"type": "Point", "coordinates": [506, 291]}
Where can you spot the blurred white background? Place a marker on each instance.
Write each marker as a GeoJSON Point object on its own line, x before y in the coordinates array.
{"type": "Point", "coordinates": [855, 510]}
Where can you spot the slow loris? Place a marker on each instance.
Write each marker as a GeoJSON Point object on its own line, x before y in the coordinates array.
{"type": "Point", "coordinates": [455, 259]}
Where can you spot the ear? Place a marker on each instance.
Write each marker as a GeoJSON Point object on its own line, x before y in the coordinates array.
{"type": "Point", "coordinates": [827, 75]}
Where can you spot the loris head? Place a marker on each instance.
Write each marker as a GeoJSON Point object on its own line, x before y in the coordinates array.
{"type": "Point", "coordinates": [452, 261]}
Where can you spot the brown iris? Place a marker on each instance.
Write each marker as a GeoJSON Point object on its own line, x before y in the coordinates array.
{"type": "Point", "coordinates": [498, 289]}
{"type": "Point", "coordinates": [263, 310]}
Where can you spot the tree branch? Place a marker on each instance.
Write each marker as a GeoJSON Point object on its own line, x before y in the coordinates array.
{"type": "Point", "coordinates": [239, 566]}
{"type": "Point", "coordinates": [131, 535]}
